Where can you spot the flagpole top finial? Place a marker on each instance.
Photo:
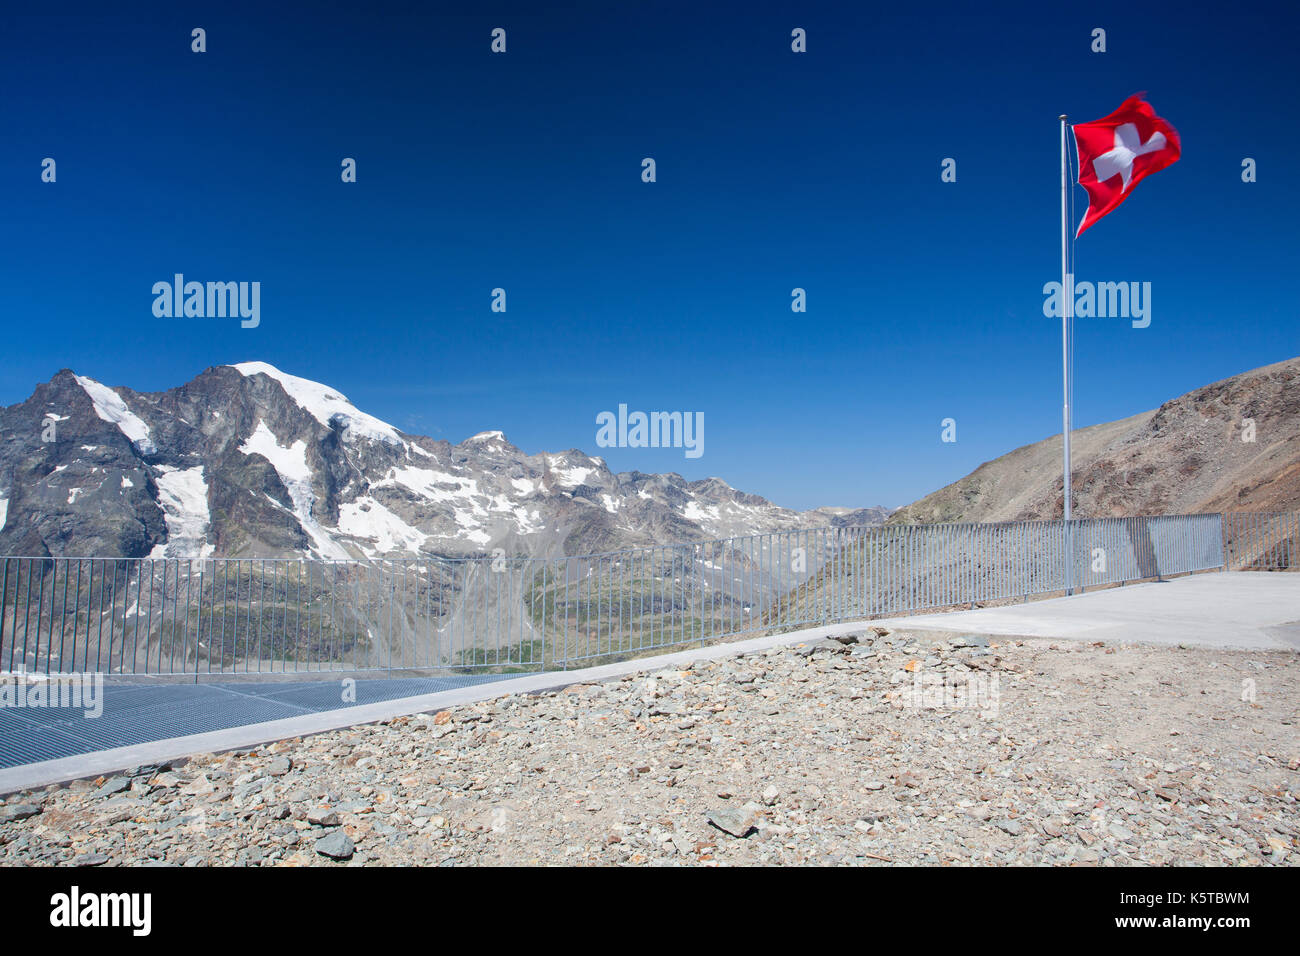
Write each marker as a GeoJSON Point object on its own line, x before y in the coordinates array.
{"type": "Point", "coordinates": [1062, 116]}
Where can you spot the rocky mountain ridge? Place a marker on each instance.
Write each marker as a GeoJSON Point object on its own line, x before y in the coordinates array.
{"type": "Point", "coordinates": [249, 461]}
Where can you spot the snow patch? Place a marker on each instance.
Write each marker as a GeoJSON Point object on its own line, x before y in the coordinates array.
{"type": "Point", "coordinates": [529, 522]}
{"type": "Point", "coordinates": [485, 436]}
{"type": "Point", "coordinates": [571, 476]}
{"type": "Point", "coordinates": [472, 528]}
{"type": "Point", "coordinates": [291, 465]}
{"type": "Point", "coordinates": [183, 498]}
{"type": "Point", "coordinates": [4, 512]}
{"type": "Point", "coordinates": [693, 512]}
{"type": "Point", "coordinates": [425, 481]}
{"type": "Point", "coordinates": [324, 404]}
{"type": "Point", "coordinates": [110, 407]}
{"type": "Point", "coordinates": [366, 518]}
{"type": "Point", "coordinates": [525, 486]}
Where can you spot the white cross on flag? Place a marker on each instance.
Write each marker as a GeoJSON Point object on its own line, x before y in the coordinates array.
{"type": "Point", "coordinates": [1116, 152]}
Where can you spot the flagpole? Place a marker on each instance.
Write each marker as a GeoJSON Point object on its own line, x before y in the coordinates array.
{"type": "Point", "coordinates": [1067, 308]}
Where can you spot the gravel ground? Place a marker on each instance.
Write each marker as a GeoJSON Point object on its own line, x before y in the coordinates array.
{"type": "Point", "coordinates": [904, 747]}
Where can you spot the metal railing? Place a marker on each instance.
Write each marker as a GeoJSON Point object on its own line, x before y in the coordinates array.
{"type": "Point", "coordinates": [1256, 541]}
{"type": "Point", "coordinates": [270, 616]}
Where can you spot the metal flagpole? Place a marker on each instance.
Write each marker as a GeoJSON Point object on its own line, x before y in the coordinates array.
{"type": "Point", "coordinates": [1067, 308]}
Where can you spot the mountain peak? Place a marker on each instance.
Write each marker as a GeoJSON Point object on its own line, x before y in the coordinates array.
{"type": "Point", "coordinates": [325, 404]}
{"type": "Point", "coordinates": [490, 436]}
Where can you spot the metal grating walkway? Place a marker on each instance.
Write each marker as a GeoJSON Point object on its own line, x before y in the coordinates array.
{"type": "Point", "coordinates": [138, 713]}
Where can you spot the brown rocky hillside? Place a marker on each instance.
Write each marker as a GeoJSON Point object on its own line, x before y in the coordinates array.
{"type": "Point", "coordinates": [1185, 456]}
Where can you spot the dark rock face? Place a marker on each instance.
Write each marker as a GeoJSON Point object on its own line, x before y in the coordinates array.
{"type": "Point", "coordinates": [74, 483]}
{"type": "Point", "coordinates": [246, 461]}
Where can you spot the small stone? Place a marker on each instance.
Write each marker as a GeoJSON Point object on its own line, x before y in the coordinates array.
{"type": "Point", "coordinates": [1013, 827]}
{"type": "Point", "coordinates": [279, 766]}
{"type": "Point", "coordinates": [18, 811]}
{"type": "Point", "coordinates": [769, 795]}
{"type": "Point", "coordinates": [91, 859]}
{"type": "Point", "coordinates": [323, 817]}
{"type": "Point", "coordinates": [820, 647]}
{"type": "Point", "coordinates": [337, 846]}
{"type": "Point", "coordinates": [736, 821]}
{"type": "Point", "coordinates": [199, 786]}
{"type": "Point", "coordinates": [1123, 834]}
{"type": "Point", "coordinates": [115, 785]}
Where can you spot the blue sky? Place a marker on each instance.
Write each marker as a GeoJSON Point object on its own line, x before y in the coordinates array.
{"type": "Point", "coordinates": [775, 170]}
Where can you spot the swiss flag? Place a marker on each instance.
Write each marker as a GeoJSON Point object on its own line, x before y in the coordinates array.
{"type": "Point", "coordinates": [1116, 152]}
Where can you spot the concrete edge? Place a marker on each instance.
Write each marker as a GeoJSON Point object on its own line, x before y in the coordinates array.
{"type": "Point", "coordinates": [34, 776]}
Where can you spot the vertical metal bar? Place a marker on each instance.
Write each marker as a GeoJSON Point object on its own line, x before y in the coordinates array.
{"type": "Point", "coordinates": [40, 612]}
{"type": "Point", "coordinates": [564, 650]}
{"type": "Point", "coordinates": [225, 604]}
{"type": "Point", "coordinates": [112, 622]}
{"type": "Point", "coordinates": [175, 615]}
{"type": "Point", "coordinates": [135, 631]}
{"type": "Point", "coordinates": [198, 631]}
{"type": "Point", "coordinates": [163, 633]}
{"type": "Point", "coordinates": [27, 611]}
{"type": "Point", "coordinates": [63, 615]}
{"type": "Point", "coordinates": [248, 620]}
{"type": "Point", "coordinates": [261, 611]}
{"type": "Point", "coordinates": [99, 624]}
{"type": "Point", "coordinates": [927, 534]}
{"type": "Point", "coordinates": [4, 609]}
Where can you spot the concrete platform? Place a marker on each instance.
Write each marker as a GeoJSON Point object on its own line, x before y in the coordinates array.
{"type": "Point", "coordinates": [1245, 610]}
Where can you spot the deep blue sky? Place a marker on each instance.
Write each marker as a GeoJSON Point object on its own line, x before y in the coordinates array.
{"type": "Point", "coordinates": [775, 170]}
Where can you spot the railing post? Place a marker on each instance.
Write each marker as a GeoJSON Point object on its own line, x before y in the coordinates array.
{"type": "Point", "coordinates": [198, 633]}
{"type": "Point", "coordinates": [4, 605]}
{"type": "Point", "coordinates": [564, 659]}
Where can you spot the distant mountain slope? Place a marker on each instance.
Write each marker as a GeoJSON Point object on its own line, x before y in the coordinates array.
{"type": "Point", "coordinates": [850, 517]}
{"type": "Point", "coordinates": [1185, 456]}
{"type": "Point", "coordinates": [247, 460]}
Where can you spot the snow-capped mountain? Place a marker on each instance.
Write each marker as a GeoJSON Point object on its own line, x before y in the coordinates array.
{"type": "Point", "coordinates": [248, 461]}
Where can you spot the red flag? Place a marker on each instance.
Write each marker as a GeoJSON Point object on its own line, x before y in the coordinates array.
{"type": "Point", "coordinates": [1117, 152]}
